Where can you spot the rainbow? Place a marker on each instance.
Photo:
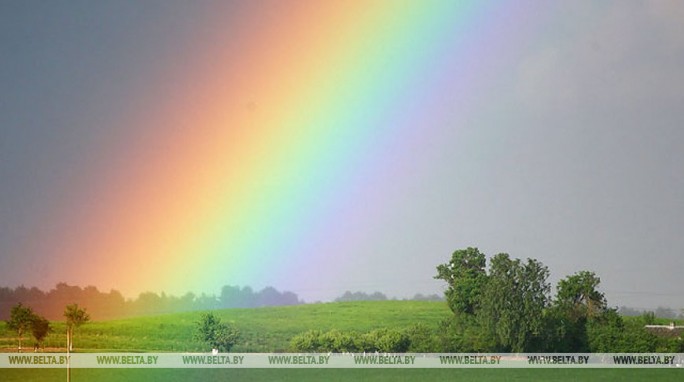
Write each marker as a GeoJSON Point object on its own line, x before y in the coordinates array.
{"type": "Point", "coordinates": [260, 150]}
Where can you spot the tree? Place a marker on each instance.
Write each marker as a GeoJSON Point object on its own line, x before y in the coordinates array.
{"type": "Point", "coordinates": [578, 295]}
{"type": "Point", "coordinates": [21, 320]}
{"type": "Point", "coordinates": [217, 334]}
{"type": "Point", "coordinates": [75, 317]}
{"type": "Point", "coordinates": [40, 329]}
{"type": "Point", "coordinates": [513, 302]}
{"type": "Point", "coordinates": [578, 302]}
{"type": "Point", "coordinates": [465, 276]}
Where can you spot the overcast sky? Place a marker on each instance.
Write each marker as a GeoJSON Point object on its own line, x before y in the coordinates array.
{"type": "Point", "coordinates": [579, 163]}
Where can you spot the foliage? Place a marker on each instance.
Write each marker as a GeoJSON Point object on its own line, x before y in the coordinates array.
{"type": "Point", "coordinates": [648, 318]}
{"type": "Point", "coordinates": [267, 329]}
{"type": "Point", "coordinates": [562, 334]}
{"type": "Point", "coordinates": [577, 302]}
{"type": "Point", "coordinates": [421, 339]}
{"type": "Point", "coordinates": [339, 342]}
{"type": "Point", "coordinates": [385, 341]}
{"type": "Point", "coordinates": [309, 341]}
{"type": "Point", "coordinates": [272, 329]}
{"type": "Point", "coordinates": [361, 296]}
{"type": "Point", "coordinates": [578, 297]}
{"type": "Point", "coordinates": [217, 334]}
{"type": "Point", "coordinates": [382, 340]}
{"type": "Point", "coordinates": [21, 320]}
{"type": "Point", "coordinates": [75, 317]}
{"type": "Point", "coordinates": [465, 276]}
{"type": "Point", "coordinates": [463, 334]}
{"type": "Point", "coordinates": [508, 309]}
{"type": "Point", "coordinates": [513, 303]}
{"type": "Point", "coordinates": [111, 305]}
{"type": "Point", "coordinates": [40, 328]}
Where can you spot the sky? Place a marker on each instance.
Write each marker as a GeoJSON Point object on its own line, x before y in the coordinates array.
{"type": "Point", "coordinates": [320, 147]}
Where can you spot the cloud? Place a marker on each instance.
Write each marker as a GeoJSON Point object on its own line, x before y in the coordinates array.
{"type": "Point", "coordinates": [625, 57]}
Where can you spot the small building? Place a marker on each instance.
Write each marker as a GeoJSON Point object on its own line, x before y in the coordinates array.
{"type": "Point", "coordinates": [668, 331]}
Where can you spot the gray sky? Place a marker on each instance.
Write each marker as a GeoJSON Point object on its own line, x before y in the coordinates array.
{"type": "Point", "coordinates": [586, 174]}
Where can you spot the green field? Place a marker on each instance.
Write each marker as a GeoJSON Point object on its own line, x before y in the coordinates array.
{"type": "Point", "coordinates": [262, 329]}
{"type": "Point", "coordinates": [270, 329]}
{"type": "Point", "coordinates": [296, 375]}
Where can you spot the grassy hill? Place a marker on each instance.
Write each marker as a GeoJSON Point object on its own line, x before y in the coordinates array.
{"type": "Point", "coordinates": [269, 329]}
{"type": "Point", "coordinates": [263, 329]}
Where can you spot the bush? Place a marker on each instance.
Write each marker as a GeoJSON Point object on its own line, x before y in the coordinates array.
{"type": "Point", "coordinates": [217, 334]}
{"type": "Point", "coordinates": [421, 339]}
{"type": "Point", "coordinates": [462, 334]}
{"type": "Point", "coordinates": [339, 342]}
{"type": "Point", "coordinates": [309, 342]}
{"type": "Point", "coordinates": [384, 341]}
{"type": "Point", "coordinates": [608, 333]}
{"type": "Point", "coordinates": [335, 341]}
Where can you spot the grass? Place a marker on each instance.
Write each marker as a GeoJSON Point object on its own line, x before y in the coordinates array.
{"type": "Point", "coordinates": [393, 375]}
{"type": "Point", "coordinates": [262, 329]}
{"type": "Point", "coordinates": [270, 329]}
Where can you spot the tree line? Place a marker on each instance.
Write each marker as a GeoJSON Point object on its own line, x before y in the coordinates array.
{"type": "Point", "coordinates": [349, 296]}
{"type": "Point", "coordinates": [508, 307]}
{"type": "Point", "coordinates": [112, 304]}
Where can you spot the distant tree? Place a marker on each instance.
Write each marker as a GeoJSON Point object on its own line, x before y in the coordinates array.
{"type": "Point", "coordinates": [663, 312]}
{"type": "Point", "coordinates": [289, 298]}
{"type": "Point", "coordinates": [21, 320]}
{"type": "Point", "coordinates": [205, 301]}
{"type": "Point", "coordinates": [361, 296]}
{"type": "Point", "coordinates": [40, 328]}
{"type": "Point", "coordinates": [268, 296]}
{"type": "Point", "coordinates": [75, 317]}
{"type": "Point", "coordinates": [627, 311]}
{"type": "Point", "coordinates": [230, 297]}
{"type": "Point", "coordinates": [465, 276]}
{"type": "Point", "coordinates": [422, 297]}
{"type": "Point", "coordinates": [215, 333]}
{"type": "Point", "coordinates": [648, 318]}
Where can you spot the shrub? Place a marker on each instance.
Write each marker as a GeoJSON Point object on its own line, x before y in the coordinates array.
{"type": "Point", "coordinates": [217, 334]}
{"type": "Point", "coordinates": [307, 342]}
{"type": "Point", "coordinates": [421, 339]}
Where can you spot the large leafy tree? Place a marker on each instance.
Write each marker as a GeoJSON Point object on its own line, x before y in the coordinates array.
{"type": "Point", "coordinates": [75, 317]}
{"type": "Point", "coordinates": [21, 320]}
{"type": "Point", "coordinates": [513, 303]}
{"type": "Point", "coordinates": [502, 310]}
{"type": "Point", "coordinates": [465, 276]}
{"type": "Point", "coordinates": [579, 297]}
{"type": "Point", "coordinates": [578, 301]}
